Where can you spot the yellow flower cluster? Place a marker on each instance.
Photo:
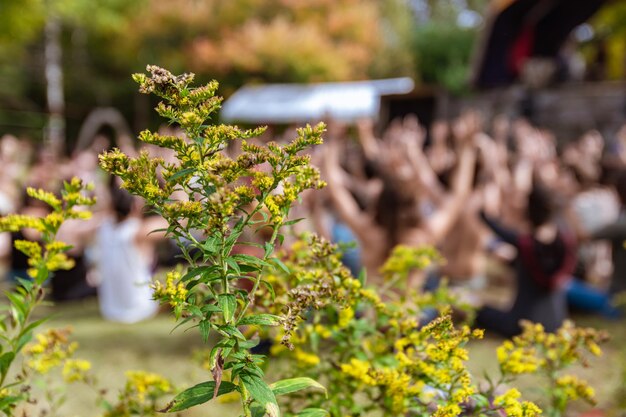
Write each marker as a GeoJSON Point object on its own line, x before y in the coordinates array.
{"type": "Point", "coordinates": [345, 317]}
{"type": "Point", "coordinates": [447, 410]}
{"type": "Point", "coordinates": [404, 259]}
{"type": "Point", "coordinates": [398, 386]}
{"type": "Point", "coordinates": [30, 249]}
{"type": "Point", "coordinates": [51, 350]}
{"type": "Point", "coordinates": [516, 360]}
{"type": "Point", "coordinates": [53, 257]}
{"type": "Point", "coordinates": [141, 385]}
{"type": "Point", "coordinates": [45, 196]}
{"type": "Point", "coordinates": [262, 181]}
{"type": "Point", "coordinates": [512, 407]}
{"type": "Point", "coordinates": [574, 388]}
{"type": "Point", "coordinates": [16, 222]}
{"type": "Point", "coordinates": [182, 209]}
{"type": "Point", "coordinates": [535, 351]}
{"type": "Point", "coordinates": [274, 209]}
{"type": "Point", "coordinates": [174, 291]}
{"type": "Point", "coordinates": [74, 370]}
{"type": "Point", "coordinates": [305, 358]}
{"type": "Point", "coordinates": [359, 370]}
{"type": "Point", "coordinates": [370, 296]}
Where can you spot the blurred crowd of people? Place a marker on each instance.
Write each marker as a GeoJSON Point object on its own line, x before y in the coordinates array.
{"type": "Point", "coordinates": [503, 193]}
{"type": "Point", "coordinates": [506, 194]}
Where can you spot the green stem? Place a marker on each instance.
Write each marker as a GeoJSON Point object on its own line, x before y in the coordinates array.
{"type": "Point", "coordinates": [31, 300]}
{"type": "Point", "coordinates": [245, 401]}
{"type": "Point", "coordinates": [257, 281]}
{"type": "Point", "coordinates": [224, 267]}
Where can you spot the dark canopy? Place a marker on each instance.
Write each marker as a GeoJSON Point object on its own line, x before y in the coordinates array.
{"type": "Point", "coordinates": [522, 29]}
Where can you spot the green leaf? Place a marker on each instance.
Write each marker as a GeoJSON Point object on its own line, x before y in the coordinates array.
{"type": "Point", "coordinates": [261, 392]}
{"type": "Point", "coordinates": [26, 283]}
{"type": "Point", "coordinates": [481, 401]}
{"type": "Point", "coordinates": [251, 260]}
{"type": "Point", "coordinates": [25, 338]}
{"type": "Point", "coordinates": [233, 265]}
{"type": "Point", "coordinates": [19, 307]}
{"type": "Point", "coordinates": [195, 310]}
{"type": "Point", "coordinates": [205, 329]}
{"type": "Point", "coordinates": [231, 239]}
{"type": "Point", "coordinates": [269, 288]}
{"type": "Point", "coordinates": [5, 362]}
{"type": "Point", "coordinates": [232, 331]}
{"type": "Point", "coordinates": [313, 412]}
{"type": "Point", "coordinates": [212, 244]}
{"type": "Point", "coordinates": [261, 320]}
{"type": "Point", "coordinates": [210, 308]}
{"type": "Point", "coordinates": [281, 265]}
{"type": "Point", "coordinates": [181, 173]}
{"type": "Point", "coordinates": [7, 403]}
{"type": "Point", "coordinates": [228, 304]}
{"type": "Point", "coordinates": [362, 278]}
{"type": "Point", "coordinates": [198, 394]}
{"type": "Point", "coordinates": [193, 272]}
{"type": "Point", "coordinates": [287, 386]}
{"type": "Point", "coordinates": [257, 410]}
{"type": "Point", "coordinates": [34, 324]}
{"type": "Point", "coordinates": [248, 344]}
{"type": "Point", "coordinates": [294, 221]}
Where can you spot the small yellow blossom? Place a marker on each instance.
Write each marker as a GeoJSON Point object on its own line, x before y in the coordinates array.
{"type": "Point", "coordinates": [305, 358]}
{"type": "Point", "coordinates": [145, 384]}
{"type": "Point", "coordinates": [75, 370]}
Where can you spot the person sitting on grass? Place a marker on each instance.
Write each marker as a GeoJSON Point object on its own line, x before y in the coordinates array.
{"type": "Point", "coordinates": [546, 257]}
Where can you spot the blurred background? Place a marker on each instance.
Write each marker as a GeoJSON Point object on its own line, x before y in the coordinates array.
{"type": "Point", "coordinates": [554, 69]}
{"type": "Point", "coordinates": [69, 57]}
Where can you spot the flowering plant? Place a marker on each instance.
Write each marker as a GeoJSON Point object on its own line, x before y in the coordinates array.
{"type": "Point", "coordinates": [548, 355]}
{"type": "Point", "coordinates": [50, 350]}
{"type": "Point", "coordinates": [392, 354]}
{"type": "Point", "coordinates": [378, 356]}
{"type": "Point", "coordinates": [210, 201]}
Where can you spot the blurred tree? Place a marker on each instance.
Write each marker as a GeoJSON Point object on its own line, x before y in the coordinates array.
{"type": "Point", "coordinates": [269, 40]}
{"type": "Point", "coordinates": [444, 43]}
{"type": "Point", "coordinates": [443, 55]}
{"type": "Point", "coordinates": [33, 36]}
{"type": "Point", "coordinates": [235, 41]}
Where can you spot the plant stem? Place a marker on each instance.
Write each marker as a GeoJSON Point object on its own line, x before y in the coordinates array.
{"type": "Point", "coordinates": [257, 281]}
{"type": "Point", "coordinates": [245, 400]}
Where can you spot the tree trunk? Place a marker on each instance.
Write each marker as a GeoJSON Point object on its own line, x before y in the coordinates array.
{"type": "Point", "coordinates": [55, 132]}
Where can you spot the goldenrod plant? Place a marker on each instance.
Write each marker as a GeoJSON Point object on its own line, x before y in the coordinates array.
{"type": "Point", "coordinates": [379, 353]}
{"type": "Point", "coordinates": [139, 396]}
{"type": "Point", "coordinates": [355, 351]}
{"type": "Point", "coordinates": [549, 355]}
{"type": "Point", "coordinates": [209, 199]}
{"type": "Point", "coordinates": [51, 350]}
{"type": "Point", "coordinates": [371, 351]}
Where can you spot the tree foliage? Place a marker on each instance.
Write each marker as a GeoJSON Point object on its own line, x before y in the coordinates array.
{"type": "Point", "coordinates": [443, 55]}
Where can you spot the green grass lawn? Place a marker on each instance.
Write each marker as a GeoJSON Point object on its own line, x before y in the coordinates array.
{"type": "Point", "coordinates": [114, 348]}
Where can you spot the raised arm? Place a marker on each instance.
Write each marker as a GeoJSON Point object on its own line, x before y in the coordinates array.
{"type": "Point", "coordinates": [426, 179]}
{"type": "Point", "coordinates": [344, 203]}
{"type": "Point", "coordinates": [367, 139]}
{"type": "Point", "coordinates": [508, 235]}
{"type": "Point", "coordinates": [439, 224]}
